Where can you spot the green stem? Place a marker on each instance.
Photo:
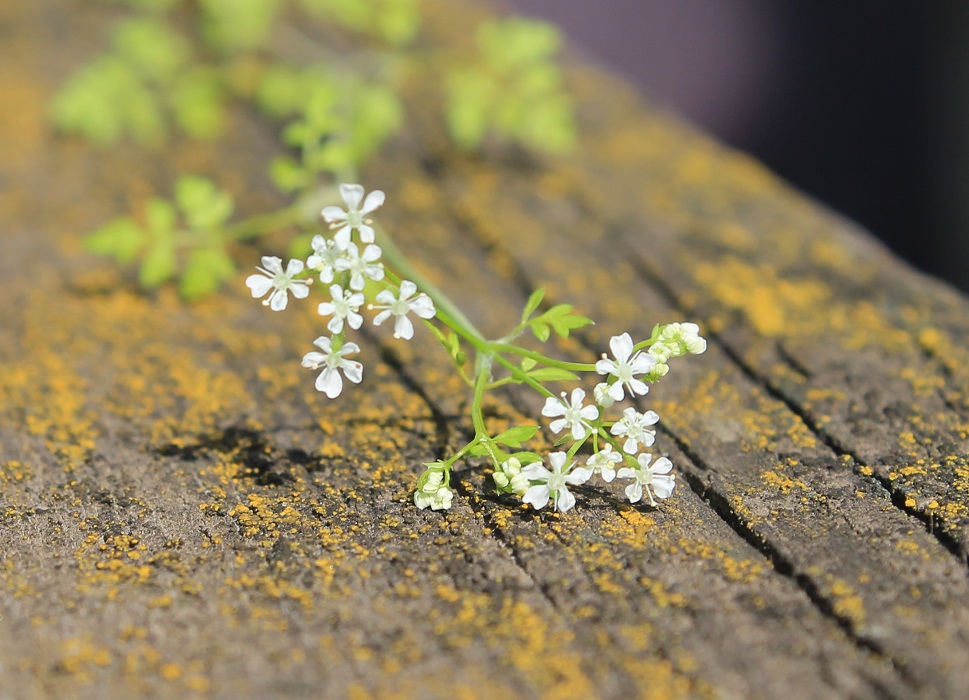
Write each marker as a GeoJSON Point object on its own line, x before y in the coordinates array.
{"type": "Point", "coordinates": [259, 225]}
{"type": "Point", "coordinates": [538, 357]}
{"type": "Point", "coordinates": [397, 260]}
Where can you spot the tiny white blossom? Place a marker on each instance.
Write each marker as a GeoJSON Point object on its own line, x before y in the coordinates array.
{"type": "Point", "coordinates": [433, 493]}
{"type": "Point", "coordinates": [343, 307]}
{"type": "Point", "coordinates": [355, 216]}
{"type": "Point", "coordinates": [360, 264]}
{"type": "Point", "coordinates": [676, 340]}
{"type": "Point", "coordinates": [324, 257]}
{"type": "Point", "coordinates": [330, 382]}
{"type": "Point", "coordinates": [625, 367]}
{"type": "Point", "coordinates": [402, 305]}
{"type": "Point", "coordinates": [655, 478]}
{"type": "Point", "coordinates": [601, 395]}
{"type": "Point", "coordinates": [574, 414]}
{"type": "Point", "coordinates": [553, 484]}
{"type": "Point", "coordinates": [509, 477]}
{"type": "Point", "coordinates": [604, 462]}
{"type": "Point", "coordinates": [277, 282]}
{"type": "Point", "coordinates": [634, 427]}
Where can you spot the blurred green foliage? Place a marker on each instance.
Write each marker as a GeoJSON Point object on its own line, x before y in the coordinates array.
{"type": "Point", "coordinates": [162, 74]}
{"type": "Point", "coordinates": [514, 89]}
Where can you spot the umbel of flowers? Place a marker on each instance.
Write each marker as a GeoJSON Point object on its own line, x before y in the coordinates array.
{"type": "Point", "coordinates": [362, 270]}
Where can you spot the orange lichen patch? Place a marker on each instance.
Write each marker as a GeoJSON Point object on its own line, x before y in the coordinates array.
{"type": "Point", "coordinates": [773, 305]}
{"type": "Point", "coordinates": [717, 408]}
{"type": "Point", "coordinates": [781, 482]}
{"type": "Point", "coordinates": [80, 657]}
{"type": "Point", "coordinates": [846, 602]}
{"type": "Point", "coordinates": [15, 472]}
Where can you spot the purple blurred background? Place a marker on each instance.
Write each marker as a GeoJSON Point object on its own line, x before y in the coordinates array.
{"type": "Point", "coordinates": [862, 105]}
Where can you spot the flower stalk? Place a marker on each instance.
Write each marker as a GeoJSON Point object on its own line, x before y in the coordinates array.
{"type": "Point", "coordinates": [382, 275]}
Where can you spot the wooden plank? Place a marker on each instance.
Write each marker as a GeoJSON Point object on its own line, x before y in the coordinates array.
{"type": "Point", "coordinates": [185, 515]}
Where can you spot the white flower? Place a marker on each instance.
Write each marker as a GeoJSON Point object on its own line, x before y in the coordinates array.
{"type": "Point", "coordinates": [509, 478]}
{"type": "Point", "coordinates": [601, 395]}
{"type": "Point", "coordinates": [324, 257]}
{"type": "Point", "coordinates": [656, 478]}
{"type": "Point", "coordinates": [354, 217]}
{"type": "Point", "coordinates": [604, 462]}
{"type": "Point", "coordinates": [343, 307]}
{"type": "Point", "coordinates": [278, 282]}
{"type": "Point", "coordinates": [573, 414]}
{"type": "Point", "coordinates": [400, 306]}
{"type": "Point", "coordinates": [624, 367]}
{"type": "Point", "coordinates": [552, 484]}
{"type": "Point", "coordinates": [433, 493]}
{"type": "Point", "coordinates": [330, 382]}
{"type": "Point", "coordinates": [360, 266]}
{"type": "Point", "coordinates": [676, 340]}
{"type": "Point", "coordinates": [635, 428]}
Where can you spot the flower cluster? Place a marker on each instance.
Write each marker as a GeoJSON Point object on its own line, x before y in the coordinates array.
{"type": "Point", "coordinates": [602, 440]}
{"type": "Point", "coordinates": [627, 373]}
{"type": "Point", "coordinates": [341, 264]}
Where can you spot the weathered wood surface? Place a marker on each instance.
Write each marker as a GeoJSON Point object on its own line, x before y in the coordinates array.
{"type": "Point", "coordinates": [184, 516]}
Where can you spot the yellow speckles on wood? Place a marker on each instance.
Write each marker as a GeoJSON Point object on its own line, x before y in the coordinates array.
{"type": "Point", "coordinates": [772, 304]}
{"type": "Point", "coordinates": [846, 602]}
{"type": "Point", "coordinates": [781, 482]}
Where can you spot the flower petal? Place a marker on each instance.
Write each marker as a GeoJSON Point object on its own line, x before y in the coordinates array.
{"type": "Point", "coordinates": [373, 200]}
{"type": "Point", "coordinates": [403, 328]}
{"type": "Point", "coordinates": [564, 500]}
{"type": "Point", "coordinates": [259, 284]}
{"type": "Point", "coordinates": [353, 370]}
{"type": "Point", "coordinates": [352, 195]}
{"type": "Point", "coordinates": [331, 215]}
{"type": "Point", "coordinates": [537, 496]}
{"type": "Point", "coordinates": [278, 300]}
{"type": "Point", "coordinates": [300, 291]}
{"type": "Point", "coordinates": [579, 475]}
{"type": "Point", "coordinates": [294, 267]}
{"type": "Point", "coordinates": [272, 264]}
{"type": "Point", "coordinates": [330, 383]}
{"type": "Point", "coordinates": [536, 471]}
{"type": "Point", "coordinates": [407, 289]}
{"type": "Point", "coordinates": [662, 466]}
{"type": "Point", "coordinates": [313, 359]}
{"type": "Point", "coordinates": [553, 407]}
{"type": "Point", "coordinates": [663, 486]}
{"type": "Point", "coordinates": [634, 492]}
{"type": "Point", "coordinates": [621, 346]}
{"type": "Point", "coordinates": [423, 307]}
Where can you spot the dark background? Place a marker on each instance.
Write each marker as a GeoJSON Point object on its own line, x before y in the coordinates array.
{"type": "Point", "coordinates": [861, 104]}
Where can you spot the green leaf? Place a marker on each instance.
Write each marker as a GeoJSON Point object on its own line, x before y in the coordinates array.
{"type": "Point", "coordinates": [514, 437]}
{"type": "Point", "coordinates": [562, 320]}
{"type": "Point", "coordinates": [528, 363]}
{"type": "Point", "coordinates": [527, 458]}
{"type": "Point", "coordinates": [478, 450]}
{"type": "Point", "coordinates": [121, 239]}
{"type": "Point", "coordinates": [553, 374]}
{"type": "Point", "coordinates": [196, 99]}
{"type": "Point", "coordinates": [150, 46]}
{"type": "Point", "coordinates": [238, 25]}
{"type": "Point", "coordinates": [205, 270]}
{"type": "Point", "coordinates": [541, 331]}
{"type": "Point", "coordinates": [202, 203]}
{"type": "Point", "coordinates": [158, 265]}
{"type": "Point", "coordinates": [533, 301]}
{"type": "Point", "coordinates": [160, 217]}
{"type": "Point", "coordinates": [288, 175]}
